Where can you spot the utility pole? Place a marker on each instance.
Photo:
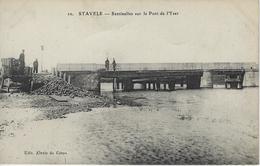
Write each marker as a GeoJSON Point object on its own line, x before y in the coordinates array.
{"type": "Point", "coordinates": [42, 48]}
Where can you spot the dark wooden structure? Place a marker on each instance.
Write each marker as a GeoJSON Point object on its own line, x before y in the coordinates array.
{"type": "Point", "coordinates": [15, 71]}
{"type": "Point", "coordinates": [233, 77]}
{"type": "Point", "coordinates": [152, 79]}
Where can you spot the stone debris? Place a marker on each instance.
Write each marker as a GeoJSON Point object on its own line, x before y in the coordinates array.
{"type": "Point", "coordinates": [42, 78]}
{"type": "Point", "coordinates": [53, 85]}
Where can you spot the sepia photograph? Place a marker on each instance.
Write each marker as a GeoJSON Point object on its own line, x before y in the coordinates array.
{"type": "Point", "coordinates": [133, 82]}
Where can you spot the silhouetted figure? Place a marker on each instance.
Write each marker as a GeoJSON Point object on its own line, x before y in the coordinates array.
{"type": "Point", "coordinates": [114, 64]}
{"type": "Point", "coordinates": [21, 62]}
{"type": "Point", "coordinates": [35, 66]}
{"type": "Point", "coordinates": [107, 64]}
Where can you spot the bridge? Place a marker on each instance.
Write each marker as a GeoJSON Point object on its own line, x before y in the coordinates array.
{"type": "Point", "coordinates": [153, 79]}
{"type": "Point", "coordinates": [160, 76]}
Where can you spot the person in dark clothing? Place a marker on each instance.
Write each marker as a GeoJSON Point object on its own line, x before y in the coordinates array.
{"type": "Point", "coordinates": [21, 62]}
{"type": "Point", "coordinates": [114, 64]}
{"type": "Point", "coordinates": [107, 64]}
{"type": "Point", "coordinates": [35, 66]}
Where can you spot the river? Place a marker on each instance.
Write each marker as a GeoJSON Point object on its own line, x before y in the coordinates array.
{"type": "Point", "coordinates": [206, 126]}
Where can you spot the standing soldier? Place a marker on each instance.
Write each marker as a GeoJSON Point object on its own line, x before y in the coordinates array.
{"type": "Point", "coordinates": [21, 62]}
{"type": "Point", "coordinates": [35, 66]}
{"type": "Point", "coordinates": [114, 64]}
{"type": "Point", "coordinates": [107, 64]}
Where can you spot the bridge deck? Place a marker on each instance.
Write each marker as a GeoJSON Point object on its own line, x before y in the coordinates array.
{"type": "Point", "coordinates": [149, 73]}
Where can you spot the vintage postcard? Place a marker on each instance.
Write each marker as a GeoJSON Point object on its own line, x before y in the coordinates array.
{"type": "Point", "coordinates": [129, 82]}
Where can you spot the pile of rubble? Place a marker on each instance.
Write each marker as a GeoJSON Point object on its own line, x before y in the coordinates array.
{"type": "Point", "coordinates": [42, 78]}
{"type": "Point", "coordinates": [53, 85]}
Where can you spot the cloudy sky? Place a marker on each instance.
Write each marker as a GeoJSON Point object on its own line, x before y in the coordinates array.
{"type": "Point", "coordinates": [204, 31]}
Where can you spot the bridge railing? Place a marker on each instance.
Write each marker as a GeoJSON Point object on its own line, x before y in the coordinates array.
{"type": "Point", "coordinates": [157, 66]}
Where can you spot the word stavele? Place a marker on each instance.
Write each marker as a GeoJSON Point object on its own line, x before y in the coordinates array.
{"type": "Point", "coordinates": [86, 13]}
{"type": "Point", "coordinates": [144, 13]}
{"type": "Point", "coordinates": [45, 153]}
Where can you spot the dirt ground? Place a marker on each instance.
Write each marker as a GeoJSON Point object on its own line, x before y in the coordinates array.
{"type": "Point", "coordinates": [19, 108]}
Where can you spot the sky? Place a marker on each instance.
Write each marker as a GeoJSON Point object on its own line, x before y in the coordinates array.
{"type": "Point", "coordinates": [203, 31]}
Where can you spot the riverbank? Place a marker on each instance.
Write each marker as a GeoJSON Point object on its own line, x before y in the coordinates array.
{"type": "Point", "coordinates": [19, 108]}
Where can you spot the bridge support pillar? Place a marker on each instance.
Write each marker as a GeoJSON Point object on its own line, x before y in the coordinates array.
{"type": "Point", "coordinates": [114, 84]}
{"type": "Point", "coordinates": [117, 84]}
{"type": "Point", "coordinates": [69, 79]}
{"type": "Point", "coordinates": [153, 85]}
{"type": "Point", "coordinates": [193, 82]}
{"type": "Point", "coordinates": [164, 86]}
{"type": "Point", "coordinates": [128, 85]}
{"type": "Point", "coordinates": [171, 86]}
{"type": "Point", "coordinates": [158, 85]}
{"type": "Point", "coordinates": [240, 85]}
{"type": "Point", "coordinates": [122, 85]}
{"type": "Point", "coordinates": [227, 85]}
{"type": "Point", "coordinates": [149, 85]}
{"type": "Point", "coordinates": [181, 83]}
{"type": "Point", "coordinates": [233, 85]}
{"type": "Point", "coordinates": [144, 86]}
{"type": "Point", "coordinates": [64, 76]}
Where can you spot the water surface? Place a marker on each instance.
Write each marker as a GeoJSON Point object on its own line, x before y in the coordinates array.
{"type": "Point", "coordinates": [207, 126]}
